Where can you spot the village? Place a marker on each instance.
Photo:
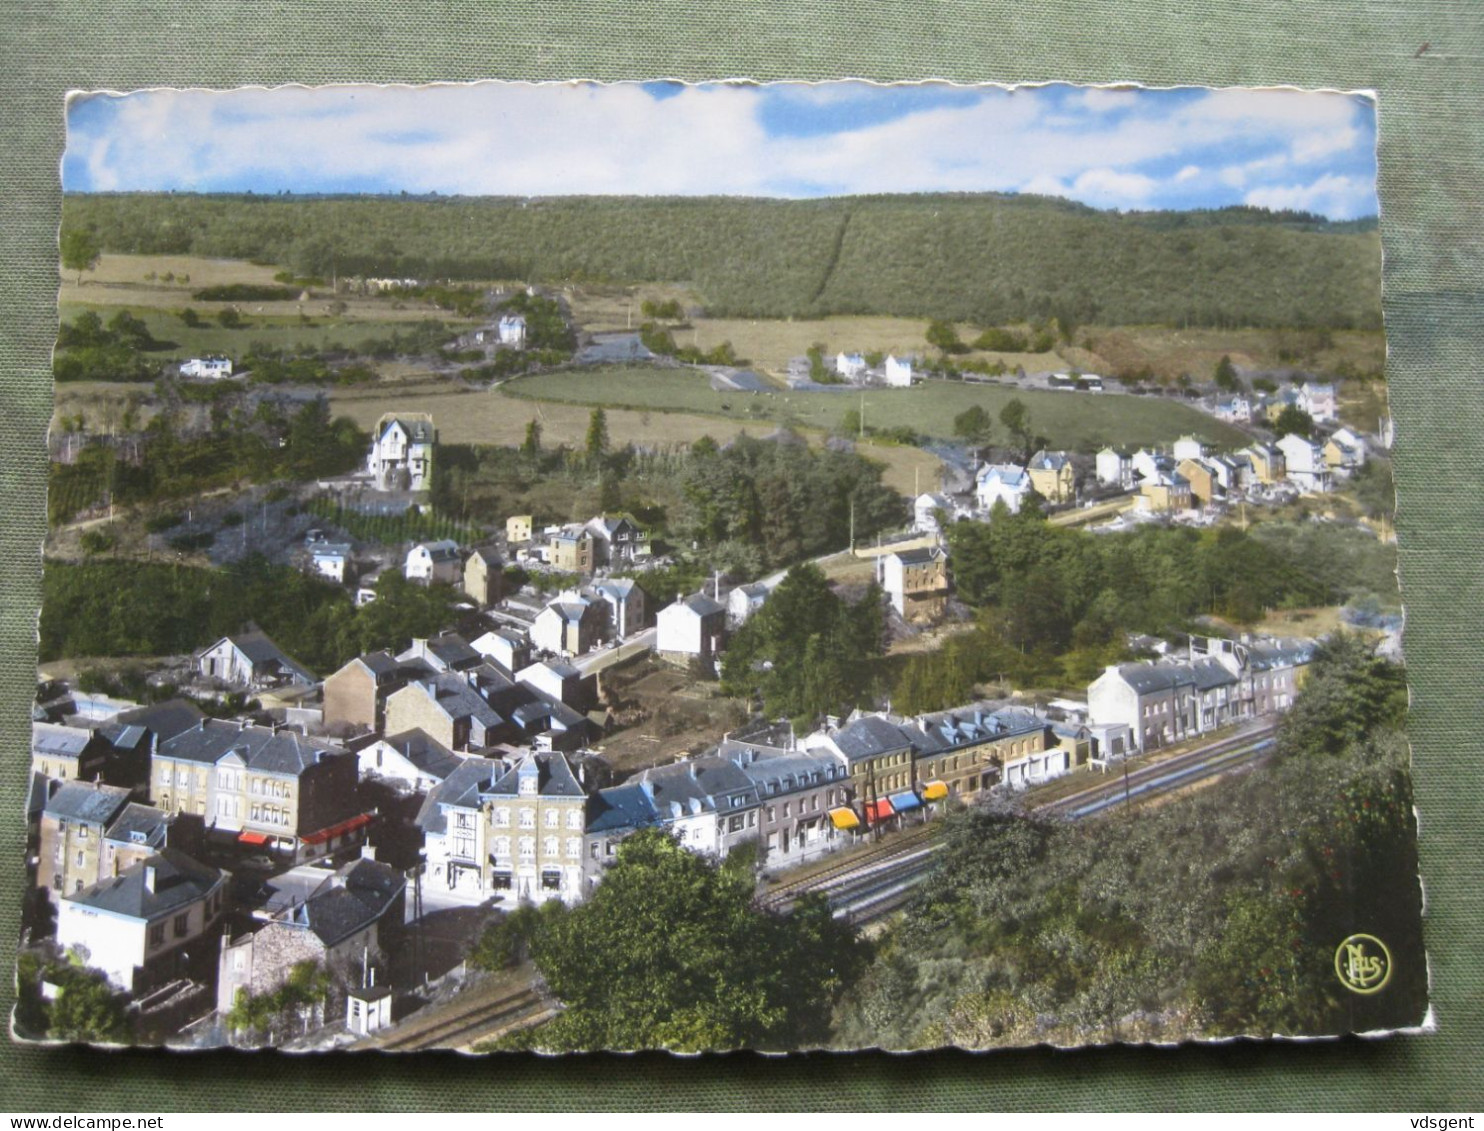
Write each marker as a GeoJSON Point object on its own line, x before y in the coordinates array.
{"type": "Point", "coordinates": [200, 849]}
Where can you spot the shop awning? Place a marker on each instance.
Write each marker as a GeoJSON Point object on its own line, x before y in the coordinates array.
{"type": "Point", "coordinates": [844, 819]}
{"type": "Point", "coordinates": [878, 811]}
{"type": "Point", "coordinates": [246, 836]}
{"type": "Point", "coordinates": [901, 802]}
{"type": "Point", "coordinates": [333, 831]}
{"type": "Point", "coordinates": [934, 791]}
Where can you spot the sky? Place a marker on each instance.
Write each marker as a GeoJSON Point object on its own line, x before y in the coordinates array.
{"type": "Point", "coordinates": [1128, 149]}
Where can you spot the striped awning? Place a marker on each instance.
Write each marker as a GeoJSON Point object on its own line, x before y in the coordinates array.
{"type": "Point", "coordinates": [934, 791]}
{"type": "Point", "coordinates": [844, 819]}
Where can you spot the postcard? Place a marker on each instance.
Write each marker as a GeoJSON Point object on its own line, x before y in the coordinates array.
{"type": "Point", "coordinates": [775, 566]}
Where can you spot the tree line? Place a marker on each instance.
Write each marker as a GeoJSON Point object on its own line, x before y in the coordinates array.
{"type": "Point", "coordinates": [984, 258]}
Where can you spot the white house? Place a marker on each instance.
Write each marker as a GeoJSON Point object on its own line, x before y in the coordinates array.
{"type": "Point", "coordinates": [1114, 469]}
{"type": "Point", "coordinates": [1307, 468]}
{"type": "Point", "coordinates": [434, 563]}
{"type": "Point", "coordinates": [1234, 410]}
{"type": "Point", "coordinates": [412, 759]}
{"type": "Point", "coordinates": [624, 600]}
{"type": "Point", "coordinates": [250, 660]}
{"type": "Point", "coordinates": [512, 330]}
{"type": "Point", "coordinates": [898, 373]}
{"type": "Point", "coordinates": [329, 560]}
{"type": "Point", "coordinates": [1319, 401]}
{"type": "Point", "coordinates": [1188, 447]}
{"type": "Point", "coordinates": [1001, 483]}
{"type": "Point", "coordinates": [925, 510]}
{"type": "Point", "coordinates": [401, 456]}
{"type": "Point", "coordinates": [138, 927]}
{"type": "Point", "coordinates": [211, 368]}
{"type": "Point", "coordinates": [1149, 465]}
{"type": "Point", "coordinates": [745, 600]}
{"type": "Point", "coordinates": [851, 366]}
{"type": "Point", "coordinates": [506, 647]}
{"type": "Point", "coordinates": [553, 680]}
{"type": "Point", "coordinates": [692, 626]}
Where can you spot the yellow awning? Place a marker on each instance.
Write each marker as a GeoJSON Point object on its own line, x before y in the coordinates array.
{"type": "Point", "coordinates": [934, 791]}
{"type": "Point", "coordinates": [844, 819]}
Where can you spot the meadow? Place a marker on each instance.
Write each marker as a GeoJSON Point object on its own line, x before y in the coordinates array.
{"type": "Point", "coordinates": [1067, 420]}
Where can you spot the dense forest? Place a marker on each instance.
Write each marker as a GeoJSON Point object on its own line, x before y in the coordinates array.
{"type": "Point", "coordinates": [1214, 914]}
{"type": "Point", "coordinates": [986, 258]}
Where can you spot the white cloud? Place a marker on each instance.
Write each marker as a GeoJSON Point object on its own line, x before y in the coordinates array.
{"type": "Point", "coordinates": [1338, 196]}
{"type": "Point", "coordinates": [1187, 173]}
{"type": "Point", "coordinates": [1112, 188]}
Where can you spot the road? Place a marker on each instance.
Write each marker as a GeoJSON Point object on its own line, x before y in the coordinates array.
{"type": "Point", "coordinates": [597, 661]}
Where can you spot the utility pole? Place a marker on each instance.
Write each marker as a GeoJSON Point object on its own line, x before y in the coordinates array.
{"type": "Point", "coordinates": [862, 434]}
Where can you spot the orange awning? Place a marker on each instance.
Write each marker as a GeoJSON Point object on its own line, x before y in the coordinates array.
{"type": "Point", "coordinates": [934, 791]}
{"type": "Point", "coordinates": [248, 837]}
{"type": "Point", "coordinates": [337, 830]}
{"type": "Point", "coordinates": [844, 819]}
{"type": "Point", "coordinates": [877, 811]}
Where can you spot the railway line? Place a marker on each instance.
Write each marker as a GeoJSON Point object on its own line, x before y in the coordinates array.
{"type": "Point", "coordinates": [461, 1028]}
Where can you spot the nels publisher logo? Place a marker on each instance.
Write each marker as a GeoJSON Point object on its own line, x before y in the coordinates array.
{"type": "Point", "coordinates": [1363, 964]}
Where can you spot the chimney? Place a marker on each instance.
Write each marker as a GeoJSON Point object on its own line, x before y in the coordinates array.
{"type": "Point", "coordinates": [149, 878]}
{"type": "Point", "coordinates": [368, 852]}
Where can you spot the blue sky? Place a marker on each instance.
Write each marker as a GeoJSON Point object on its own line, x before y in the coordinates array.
{"type": "Point", "coordinates": [1110, 148]}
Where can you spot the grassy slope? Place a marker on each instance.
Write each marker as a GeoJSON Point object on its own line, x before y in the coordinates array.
{"type": "Point", "coordinates": [1067, 420]}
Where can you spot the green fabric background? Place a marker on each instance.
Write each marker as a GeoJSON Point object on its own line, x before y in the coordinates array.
{"type": "Point", "coordinates": [1424, 60]}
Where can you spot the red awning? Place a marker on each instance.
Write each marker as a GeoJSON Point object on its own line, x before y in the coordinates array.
{"type": "Point", "coordinates": [248, 837]}
{"type": "Point", "coordinates": [877, 811]}
{"type": "Point", "coordinates": [337, 830]}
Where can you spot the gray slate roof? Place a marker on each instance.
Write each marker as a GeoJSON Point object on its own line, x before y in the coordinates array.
{"type": "Point", "coordinates": [869, 736]}
{"type": "Point", "coordinates": [355, 897]}
{"type": "Point", "coordinates": [87, 801]}
{"type": "Point", "coordinates": [284, 752]}
{"type": "Point", "coordinates": [460, 790]}
{"type": "Point", "coordinates": [425, 752]}
{"type": "Point", "coordinates": [554, 777]}
{"type": "Point", "coordinates": [179, 881]}
{"type": "Point", "coordinates": [57, 740]}
{"type": "Point", "coordinates": [622, 807]}
{"type": "Point", "coordinates": [141, 824]}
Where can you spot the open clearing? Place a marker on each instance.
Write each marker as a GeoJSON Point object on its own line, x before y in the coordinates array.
{"type": "Point", "coordinates": [466, 416]}
{"type": "Point", "coordinates": [1067, 420]}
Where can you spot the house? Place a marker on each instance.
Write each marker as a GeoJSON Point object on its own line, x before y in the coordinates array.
{"type": "Point", "coordinates": [1234, 410]}
{"type": "Point", "coordinates": [484, 577]}
{"type": "Point", "coordinates": [67, 753]}
{"type": "Point", "coordinates": [250, 661]}
{"type": "Point", "coordinates": [536, 813]}
{"type": "Point", "coordinates": [709, 804]}
{"type": "Point", "coordinates": [1053, 477]}
{"type": "Point", "coordinates": [505, 647]}
{"type": "Point", "coordinates": [1307, 468]}
{"type": "Point", "coordinates": [1114, 469]}
{"type": "Point", "coordinates": [270, 790]}
{"type": "Point", "coordinates": [150, 924]}
{"type": "Point", "coordinates": [329, 560]}
{"type": "Point", "coordinates": [850, 366]}
{"type": "Point", "coordinates": [412, 760]}
{"type": "Point", "coordinates": [916, 582]}
{"type": "Point", "coordinates": [511, 330]}
{"type": "Point", "coordinates": [569, 626]}
{"type": "Point", "coordinates": [879, 755]}
{"type": "Point", "coordinates": [446, 652]}
{"type": "Point", "coordinates": [349, 923]}
{"type": "Point", "coordinates": [1148, 464]}
{"type": "Point", "coordinates": [1319, 401]}
{"type": "Point", "coordinates": [623, 598]}
{"type": "Point", "coordinates": [927, 508]}
{"type": "Point", "coordinates": [617, 540]}
{"type": "Point", "coordinates": [1158, 702]}
{"type": "Point", "coordinates": [554, 681]}
{"type": "Point", "coordinates": [694, 626]}
{"type": "Point", "coordinates": [455, 828]}
{"type": "Point", "coordinates": [401, 456]}
{"type": "Point", "coordinates": [140, 831]}
{"type": "Point", "coordinates": [898, 373]}
{"type": "Point", "coordinates": [745, 600]}
{"type": "Point", "coordinates": [570, 548]}
{"type": "Point", "coordinates": [434, 563]}
{"type": "Point", "coordinates": [446, 707]}
{"type": "Point", "coordinates": [366, 589]}
{"type": "Point", "coordinates": [1344, 452]}
{"type": "Point", "coordinates": [1001, 483]}
{"type": "Point", "coordinates": [1268, 465]}
{"type": "Point", "coordinates": [209, 368]}
{"type": "Point", "coordinates": [73, 822]}
{"type": "Point", "coordinates": [1188, 447]}
{"type": "Point", "coordinates": [1164, 494]}
{"type": "Point", "coordinates": [614, 814]}
{"type": "Point", "coordinates": [1201, 479]}
{"type": "Point", "coordinates": [796, 791]}
{"type": "Point", "coordinates": [518, 529]}
{"type": "Point", "coordinates": [962, 752]}
{"type": "Point", "coordinates": [355, 696]}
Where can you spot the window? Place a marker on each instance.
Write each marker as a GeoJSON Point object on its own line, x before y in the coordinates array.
{"type": "Point", "coordinates": [157, 934]}
{"type": "Point", "coordinates": [502, 846]}
{"type": "Point", "coordinates": [770, 813]}
{"type": "Point", "coordinates": [551, 881]}
{"type": "Point", "coordinates": [502, 818]}
{"type": "Point", "coordinates": [553, 818]}
{"type": "Point", "coordinates": [82, 832]}
{"type": "Point", "coordinates": [528, 818]}
{"type": "Point", "coordinates": [574, 819]}
{"type": "Point", "coordinates": [463, 846]}
{"type": "Point", "coordinates": [527, 848]}
{"type": "Point", "coordinates": [182, 925]}
{"type": "Point", "coordinates": [574, 846]}
{"type": "Point", "coordinates": [549, 846]}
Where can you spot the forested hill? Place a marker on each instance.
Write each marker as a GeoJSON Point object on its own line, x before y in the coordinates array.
{"type": "Point", "coordinates": [988, 259]}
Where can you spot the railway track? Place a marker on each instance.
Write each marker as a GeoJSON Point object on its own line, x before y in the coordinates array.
{"type": "Point", "coordinates": [487, 1019]}
{"type": "Point", "coordinates": [918, 843]}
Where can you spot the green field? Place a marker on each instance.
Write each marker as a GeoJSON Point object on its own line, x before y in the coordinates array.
{"type": "Point", "coordinates": [1067, 420]}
